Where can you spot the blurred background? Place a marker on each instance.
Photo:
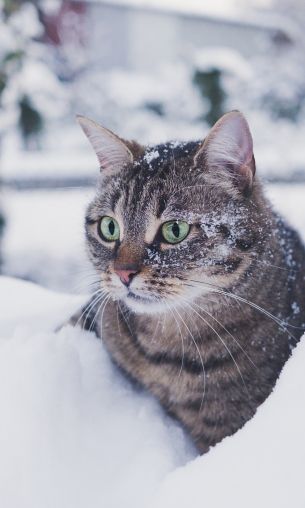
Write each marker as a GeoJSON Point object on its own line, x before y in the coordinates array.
{"type": "Point", "coordinates": [151, 70]}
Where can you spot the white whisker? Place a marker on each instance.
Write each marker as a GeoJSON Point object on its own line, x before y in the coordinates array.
{"type": "Point", "coordinates": [199, 354]}
{"type": "Point", "coordinates": [227, 331]}
{"type": "Point", "coordinates": [223, 343]}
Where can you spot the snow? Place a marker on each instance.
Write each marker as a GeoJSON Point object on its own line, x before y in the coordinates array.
{"type": "Point", "coordinates": [73, 432]}
{"type": "Point", "coordinates": [225, 59]}
{"type": "Point", "coordinates": [26, 22]}
{"type": "Point", "coordinates": [48, 164]}
{"type": "Point", "coordinates": [151, 155]}
{"type": "Point", "coordinates": [44, 239]}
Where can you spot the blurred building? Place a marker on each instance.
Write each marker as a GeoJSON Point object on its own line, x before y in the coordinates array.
{"type": "Point", "coordinates": [140, 37]}
{"type": "Point", "coordinates": [135, 36]}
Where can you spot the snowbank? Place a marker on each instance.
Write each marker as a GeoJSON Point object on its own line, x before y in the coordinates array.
{"type": "Point", "coordinates": [74, 433]}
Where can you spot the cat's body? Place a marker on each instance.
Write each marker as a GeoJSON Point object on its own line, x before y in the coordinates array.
{"type": "Point", "coordinates": [206, 323]}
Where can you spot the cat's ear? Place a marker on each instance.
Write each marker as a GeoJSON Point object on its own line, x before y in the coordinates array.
{"type": "Point", "coordinates": [229, 148]}
{"type": "Point", "coordinates": [112, 153]}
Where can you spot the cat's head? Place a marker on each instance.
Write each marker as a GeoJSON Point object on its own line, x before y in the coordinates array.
{"type": "Point", "coordinates": [172, 222]}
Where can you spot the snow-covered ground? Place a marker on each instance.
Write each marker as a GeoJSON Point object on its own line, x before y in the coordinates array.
{"type": "Point", "coordinates": [44, 239]}
{"type": "Point", "coordinates": [73, 433]}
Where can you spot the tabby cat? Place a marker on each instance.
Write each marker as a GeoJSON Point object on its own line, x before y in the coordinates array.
{"type": "Point", "coordinates": [201, 293]}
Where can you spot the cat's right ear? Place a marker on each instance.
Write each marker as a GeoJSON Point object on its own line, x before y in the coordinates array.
{"type": "Point", "coordinates": [112, 153]}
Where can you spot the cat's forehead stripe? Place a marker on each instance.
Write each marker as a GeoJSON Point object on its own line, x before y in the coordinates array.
{"type": "Point", "coordinates": [161, 206]}
{"type": "Point", "coordinates": [114, 199]}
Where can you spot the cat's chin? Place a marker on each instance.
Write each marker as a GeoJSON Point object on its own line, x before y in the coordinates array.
{"type": "Point", "coordinates": [142, 305]}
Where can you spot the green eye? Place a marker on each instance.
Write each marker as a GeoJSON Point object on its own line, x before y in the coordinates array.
{"type": "Point", "coordinates": [175, 231]}
{"type": "Point", "coordinates": [109, 229]}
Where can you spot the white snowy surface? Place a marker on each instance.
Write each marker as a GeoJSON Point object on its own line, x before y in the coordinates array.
{"type": "Point", "coordinates": [74, 433]}
{"type": "Point", "coordinates": [44, 237]}
{"type": "Point", "coordinates": [55, 163]}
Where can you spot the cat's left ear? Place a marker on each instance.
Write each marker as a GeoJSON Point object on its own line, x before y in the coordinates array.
{"type": "Point", "coordinates": [112, 153]}
{"type": "Point", "coordinates": [228, 148]}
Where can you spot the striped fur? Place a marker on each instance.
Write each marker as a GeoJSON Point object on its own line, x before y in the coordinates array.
{"type": "Point", "coordinates": [206, 325]}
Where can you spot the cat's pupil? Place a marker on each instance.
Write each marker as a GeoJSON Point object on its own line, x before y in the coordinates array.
{"type": "Point", "coordinates": [176, 230]}
{"type": "Point", "coordinates": [111, 227]}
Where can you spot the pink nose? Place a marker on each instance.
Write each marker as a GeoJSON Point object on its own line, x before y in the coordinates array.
{"type": "Point", "coordinates": [126, 276]}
